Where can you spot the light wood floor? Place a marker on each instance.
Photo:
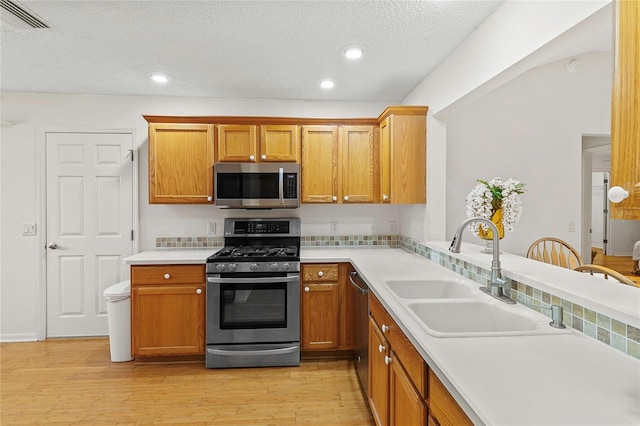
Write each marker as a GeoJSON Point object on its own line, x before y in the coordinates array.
{"type": "Point", "coordinates": [622, 264]}
{"type": "Point", "coordinates": [72, 381]}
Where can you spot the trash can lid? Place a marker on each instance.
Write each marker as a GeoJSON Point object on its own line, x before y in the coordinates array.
{"type": "Point", "coordinates": [118, 291]}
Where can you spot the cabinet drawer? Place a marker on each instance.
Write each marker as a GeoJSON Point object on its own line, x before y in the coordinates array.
{"type": "Point", "coordinates": [170, 274]}
{"type": "Point", "coordinates": [411, 359]}
{"type": "Point", "coordinates": [442, 405]}
{"type": "Point", "coordinates": [320, 272]}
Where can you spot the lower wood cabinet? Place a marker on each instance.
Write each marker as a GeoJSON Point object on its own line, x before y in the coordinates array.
{"type": "Point", "coordinates": [326, 308]}
{"type": "Point", "coordinates": [167, 310]}
{"type": "Point", "coordinates": [403, 391]}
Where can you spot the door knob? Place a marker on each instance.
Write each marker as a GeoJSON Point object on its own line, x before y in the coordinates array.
{"type": "Point", "coordinates": [387, 360]}
{"type": "Point", "coordinates": [264, 157]}
{"type": "Point", "coordinates": [199, 291]}
{"type": "Point", "coordinates": [53, 246]}
{"type": "Point", "coordinates": [334, 198]}
{"type": "Point", "coordinates": [306, 289]}
{"type": "Point", "coordinates": [251, 157]}
{"type": "Point", "coordinates": [346, 198]}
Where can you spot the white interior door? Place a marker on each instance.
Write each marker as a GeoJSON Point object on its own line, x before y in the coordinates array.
{"type": "Point", "coordinates": [89, 178]}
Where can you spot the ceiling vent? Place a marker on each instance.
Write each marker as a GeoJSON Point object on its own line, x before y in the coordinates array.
{"type": "Point", "coordinates": [18, 17]}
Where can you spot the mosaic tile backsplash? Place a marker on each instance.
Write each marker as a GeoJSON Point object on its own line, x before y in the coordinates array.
{"type": "Point", "coordinates": [621, 336]}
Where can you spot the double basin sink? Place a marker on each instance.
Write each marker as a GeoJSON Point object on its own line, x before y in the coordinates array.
{"type": "Point", "coordinates": [456, 308]}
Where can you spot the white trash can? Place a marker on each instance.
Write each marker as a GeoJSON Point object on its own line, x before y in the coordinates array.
{"type": "Point", "coordinates": [119, 316]}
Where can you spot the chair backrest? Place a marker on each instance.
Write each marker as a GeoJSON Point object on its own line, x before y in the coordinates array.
{"type": "Point", "coordinates": [607, 272]}
{"type": "Point", "coordinates": [556, 252]}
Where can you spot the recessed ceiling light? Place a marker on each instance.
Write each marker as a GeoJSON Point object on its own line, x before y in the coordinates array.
{"type": "Point", "coordinates": [353, 52]}
{"type": "Point", "coordinates": [159, 77]}
{"type": "Point", "coordinates": [327, 84]}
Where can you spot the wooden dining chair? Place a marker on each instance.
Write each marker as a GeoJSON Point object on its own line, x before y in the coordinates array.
{"type": "Point", "coordinates": [606, 272]}
{"type": "Point", "coordinates": [554, 251]}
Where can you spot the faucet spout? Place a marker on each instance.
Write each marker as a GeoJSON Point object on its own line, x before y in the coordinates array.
{"type": "Point", "coordinates": [495, 288]}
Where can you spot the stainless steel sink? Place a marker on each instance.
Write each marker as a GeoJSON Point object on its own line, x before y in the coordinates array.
{"type": "Point", "coordinates": [429, 289]}
{"type": "Point", "coordinates": [479, 318]}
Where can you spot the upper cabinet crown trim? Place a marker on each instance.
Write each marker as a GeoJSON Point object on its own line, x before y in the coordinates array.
{"type": "Point", "coordinates": [258, 120]}
{"type": "Point", "coordinates": [404, 110]}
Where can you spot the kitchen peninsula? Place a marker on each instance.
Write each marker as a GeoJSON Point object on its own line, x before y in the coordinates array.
{"type": "Point", "coordinates": [542, 379]}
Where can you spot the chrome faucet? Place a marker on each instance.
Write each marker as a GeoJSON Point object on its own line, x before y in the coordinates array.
{"type": "Point", "coordinates": [496, 285]}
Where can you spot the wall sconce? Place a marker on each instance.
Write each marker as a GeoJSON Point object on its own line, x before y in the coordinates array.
{"type": "Point", "coordinates": [617, 194]}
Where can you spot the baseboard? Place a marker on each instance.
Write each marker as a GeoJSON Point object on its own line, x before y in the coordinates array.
{"type": "Point", "coordinates": [18, 337]}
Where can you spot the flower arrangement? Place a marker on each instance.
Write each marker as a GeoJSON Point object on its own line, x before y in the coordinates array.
{"type": "Point", "coordinates": [487, 198]}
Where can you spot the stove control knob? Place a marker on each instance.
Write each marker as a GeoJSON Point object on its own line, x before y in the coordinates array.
{"type": "Point", "coordinates": [232, 267]}
{"type": "Point", "coordinates": [285, 267]}
{"type": "Point", "coordinates": [253, 267]}
{"type": "Point", "coordinates": [220, 267]}
{"type": "Point", "coordinates": [274, 266]}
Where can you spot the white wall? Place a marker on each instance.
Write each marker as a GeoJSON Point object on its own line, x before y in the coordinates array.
{"type": "Point", "coordinates": [531, 129]}
{"type": "Point", "coordinates": [21, 286]}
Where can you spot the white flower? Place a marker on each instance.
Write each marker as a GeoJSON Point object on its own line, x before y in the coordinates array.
{"type": "Point", "coordinates": [486, 197]}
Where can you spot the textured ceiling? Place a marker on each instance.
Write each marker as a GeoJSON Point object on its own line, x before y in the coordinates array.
{"type": "Point", "coordinates": [237, 49]}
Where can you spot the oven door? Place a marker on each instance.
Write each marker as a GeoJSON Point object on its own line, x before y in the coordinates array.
{"type": "Point", "coordinates": [259, 309]}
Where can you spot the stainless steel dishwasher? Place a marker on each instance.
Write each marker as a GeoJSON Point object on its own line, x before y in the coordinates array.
{"type": "Point", "coordinates": [361, 328]}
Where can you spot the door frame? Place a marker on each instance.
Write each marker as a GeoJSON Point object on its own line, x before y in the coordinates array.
{"type": "Point", "coordinates": [587, 170]}
{"type": "Point", "coordinates": [41, 190]}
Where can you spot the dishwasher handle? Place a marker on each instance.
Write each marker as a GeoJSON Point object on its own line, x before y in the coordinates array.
{"type": "Point", "coordinates": [360, 289]}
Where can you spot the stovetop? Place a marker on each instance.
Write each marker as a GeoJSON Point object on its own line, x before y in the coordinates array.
{"type": "Point", "coordinates": [255, 253]}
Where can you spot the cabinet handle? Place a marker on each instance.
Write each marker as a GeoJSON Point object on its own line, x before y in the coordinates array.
{"type": "Point", "coordinates": [385, 197]}
{"type": "Point", "coordinates": [252, 158]}
{"type": "Point", "coordinates": [167, 276]}
{"type": "Point", "coordinates": [381, 348]}
{"type": "Point", "coordinates": [306, 289]}
{"type": "Point", "coordinates": [264, 157]}
{"type": "Point", "coordinates": [346, 198]}
{"type": "Point", "coordinates": [334, 198]}
{"type": "Point", "coordinates": [199, 291]}
{"type": "Point", "coordinates": [385, 328]}
{"type": "Point", "coordinates": [387, 360]}
{"type": "Point", "coordinates": [209, 198]}
{"type": "Point", "coordinates": [320, 273]}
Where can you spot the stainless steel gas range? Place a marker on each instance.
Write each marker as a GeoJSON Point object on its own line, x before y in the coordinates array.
{"type": "Point", "coordinates": [253, 295]}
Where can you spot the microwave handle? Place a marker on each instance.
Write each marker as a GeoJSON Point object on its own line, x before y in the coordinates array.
{"type": "Point", "coordinates": [281, 184]}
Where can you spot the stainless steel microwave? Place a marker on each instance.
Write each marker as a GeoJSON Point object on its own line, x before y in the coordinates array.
{"type": "Point", "coordinates": [257, 185]}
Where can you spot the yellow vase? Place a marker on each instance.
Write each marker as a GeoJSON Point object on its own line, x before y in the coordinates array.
{"type": "Point", "coordinates": [496, 218]}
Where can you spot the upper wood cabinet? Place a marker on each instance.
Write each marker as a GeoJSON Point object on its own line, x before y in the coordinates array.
{"type": "Point", "coordinates": [358, 162]}
{"type": "Point", "coordinates": [403, 155]}
{"type": "Point", "coordinates": [319, 166]}
{"type": "Point", "coordinates": [248, 142]}
{"type": "Point", "coordinates": [237, 142]}
{"type": "Point", "coordinates": [181, 163]}
{"type": "Point", "coordinates": [625, 110]}
{"type": "Point", "coordinates": [339, 164]}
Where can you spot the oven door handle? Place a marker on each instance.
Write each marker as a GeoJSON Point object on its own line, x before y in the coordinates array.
{"type": "Point", "coordinates": [353, 283]}
{"type": "Point", "coordinates": [260, 352]}
{"type": "Point", "coordinates": [260, 280]}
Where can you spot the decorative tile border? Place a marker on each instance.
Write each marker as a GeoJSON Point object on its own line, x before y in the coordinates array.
{"type": "Point", "coordinates": [188, 242]}
{"type": "Point", "coordinates": [349, 240]}
{"type": "Point", "coordinates": [620, 336]}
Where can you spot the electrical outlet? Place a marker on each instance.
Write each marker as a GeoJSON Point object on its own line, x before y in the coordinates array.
{"type": "Point", "coordinates": [29, 229]}
{"type": "Point", "coordinates": [334, 227]}
{"type": "Point", "coordinates": [211, 228]}
{"type": "Point", "coordinates": [392, 227]}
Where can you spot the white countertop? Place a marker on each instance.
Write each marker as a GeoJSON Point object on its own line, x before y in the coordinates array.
{"type": "Point", "coordinates": [165, 257]}
{"type": "Point", "coordinates": [567, 379]}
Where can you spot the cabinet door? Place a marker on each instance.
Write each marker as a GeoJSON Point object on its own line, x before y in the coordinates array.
{"type": "Point", "coordinates": [320, 164]}
{"type": "Point", "coordinates": [237, 142]}
{"type": "Point", "coordinates": [625, 111]}
{"type": "Point", "coordinates": [385, 161]}
{"type": "Point", "coordinates": [406, 407]}
{"type": "Point", "coordinates": [357, 160]}
{"type": "Point", "coordinates": [320, 316]}
{"type": "Point", "coordinates": [443, 407]}
{"type": "Point", "coordinates": [378, 375]}
{"type": "Point", "coordinates": [180, 163]}
{"type": "Point", "coordinates": [168, 320]}
{"type": "Point", "coordinates": [280, 143]}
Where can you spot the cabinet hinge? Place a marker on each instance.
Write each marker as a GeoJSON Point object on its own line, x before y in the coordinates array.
{"type": "Point", "coordinates": [132, 235]}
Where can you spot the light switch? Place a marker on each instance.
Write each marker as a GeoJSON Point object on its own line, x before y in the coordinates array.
{"type": "Point", "coordinates": [29, 229]}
